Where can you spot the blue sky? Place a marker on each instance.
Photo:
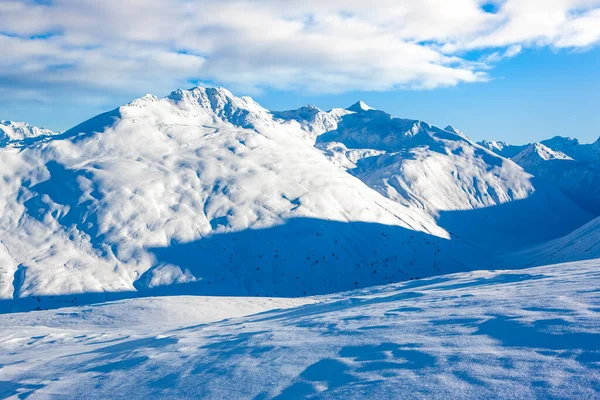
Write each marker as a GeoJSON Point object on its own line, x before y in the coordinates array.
{"type": "Point", "coordinates": [513, 70]}
{"type": "Point", "coordinates": [535, 95]}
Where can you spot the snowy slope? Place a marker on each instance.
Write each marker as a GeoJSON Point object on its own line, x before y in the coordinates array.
{"type": "Point", "coordinates": [142, 196]}
{"type": "Point", "coordinates": [413, 162]}
{"type": "Point", "coordinates": [213, 191]}
{"type": "Point", "coordinates": [431, 168]}
{"type": "Point", "coordinates": [581, 244]}
{"type": "Point", "coordinates": [443, 173]}
{"type": "Point", "coordinates": [531, 333]}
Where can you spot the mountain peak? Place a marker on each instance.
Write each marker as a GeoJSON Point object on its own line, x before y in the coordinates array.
{"type": "Point", "coordinates": [199, 92]}
{"type": "Point", "coordinates": [221, 103]}
{"type": "Point", "coordinates": [311, 107]}
{"type": "Point", "coordinates": [306, 112]}
{"type": "Point", "coordinates": [15, 131]}
{"type": "Point", "coordinates": [538, 152]}
{"type": "Point", "coordinates": [359, 106]}
{"type": "Point", "coordinates": [142, 101]}
{"type": "Point", "coordinates": [561, 141]}
{"type": "Point", "coordinates": [452, 129]}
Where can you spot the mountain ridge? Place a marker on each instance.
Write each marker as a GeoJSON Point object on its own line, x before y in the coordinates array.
{"type": "Point", "coordinates": [567, 145]}
{"type": "Point", "coordinates": [13, 132]}
{"type": "Point", "coordinates": [137, 199]}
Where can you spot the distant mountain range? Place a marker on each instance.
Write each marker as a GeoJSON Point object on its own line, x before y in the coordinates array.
{"type": "Point", "coordinates": [13, 133]}
{"type": "Point", "coordinates": [205, 192]}
{"type": "Point", "coordinates": [572, 167]}
{"type": "Point", "coordinates": [566, 145]}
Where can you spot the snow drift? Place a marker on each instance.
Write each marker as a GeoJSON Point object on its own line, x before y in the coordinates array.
{"type": "Point", "coordinates": [531, 333]}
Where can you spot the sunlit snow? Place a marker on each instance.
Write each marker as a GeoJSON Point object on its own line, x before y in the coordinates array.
{"type": "Point", "coordinates": [531, 333]}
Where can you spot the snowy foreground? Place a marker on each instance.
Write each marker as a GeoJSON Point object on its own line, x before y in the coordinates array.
{"type": "Point", "coordinates": [512, 334]}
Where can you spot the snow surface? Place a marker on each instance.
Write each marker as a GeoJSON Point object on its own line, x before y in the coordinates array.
{"type": "Point", "coordinates": [532, 333]}
{"type": "Point", "coordinates": [203, 192]}
{"type": "Point", "coordinates": [581, 244]}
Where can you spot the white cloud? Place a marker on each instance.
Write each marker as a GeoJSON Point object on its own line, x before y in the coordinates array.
{"type": "Point", "coordinates": [496, 56]}
{"type": "Point", "coordinates": [581, 31]}
{"type": "Point", "coordinates": [332, 46]}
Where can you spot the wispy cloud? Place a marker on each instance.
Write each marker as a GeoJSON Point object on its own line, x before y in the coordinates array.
{"type": "Point", "coordinates": [127, 47]}
{"type": "Point", "coordinates": [497, 56]}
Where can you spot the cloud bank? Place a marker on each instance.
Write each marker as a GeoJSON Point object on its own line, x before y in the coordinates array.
{"type": "Point", "coordinates": [109, 46]}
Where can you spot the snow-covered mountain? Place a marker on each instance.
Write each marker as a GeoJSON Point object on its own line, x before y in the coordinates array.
{"type": "Point", "coordinates": [415, 163]}
{"type": "Point", "coordinates": [579, 180]}
{"type": "Point", "coordinates": [442, 172]}
{"type": "Point", "coordinates": [574, 149]}
{"type": "Point", "coordinates": [502, 148]}
{"type": "Point", "coordinates": [566, 145]}
{"type": "Point", "coordinates": [458, 132]}
{"type": "Point", "coordinates": [205, 192]}
{"type": "Point", "coordinates": [565, 163]}
{"type": "Point", "coordinates": [311, 119]}
{"type": "Point", "coordinates": [120, 201]}
{"type": "Point", "coordinates": [12, 132]}
{"type": "Point", "coordinates": [117, 204]}
{"type": "Point", "coordinates": [537, 153]}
